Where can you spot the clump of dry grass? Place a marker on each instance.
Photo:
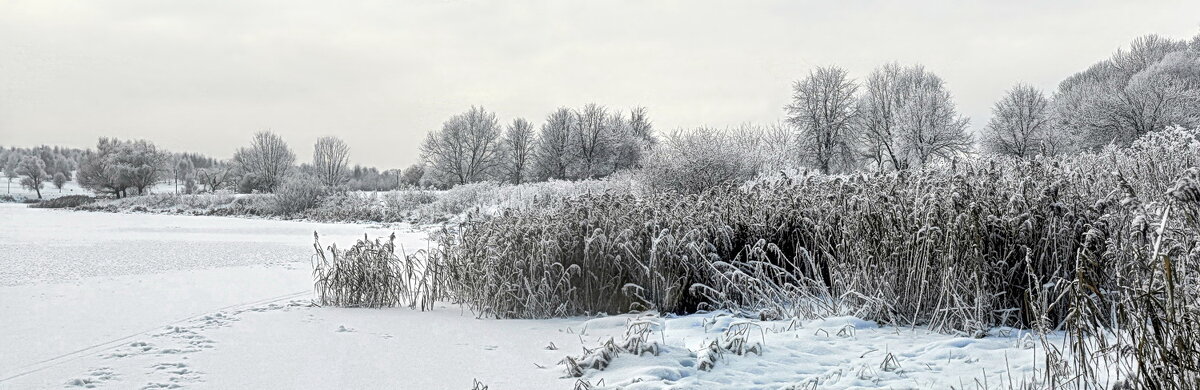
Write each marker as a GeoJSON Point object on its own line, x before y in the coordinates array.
{"type": "Point", "coordinates": [370, 274]}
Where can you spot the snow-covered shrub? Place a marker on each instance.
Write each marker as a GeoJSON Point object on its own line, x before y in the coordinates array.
{"type": "Point", "coordinates": [297, 194]}
{"type": "Point", "coordinates": [699, 160]}
{"type": "Point", "coordinates": [408, 199]}
{"type": "Point", "coordinates": [351, 207]}
{"type": "Point", "coordinates": [196, 204]}
{"type": "Point", "coordinates": [64, 202]}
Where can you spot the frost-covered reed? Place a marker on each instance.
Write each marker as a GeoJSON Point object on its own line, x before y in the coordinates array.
{"type": "Point", "coordinates": [371, 274]}
{"type": "Point", "coordinates": [1103, 245]}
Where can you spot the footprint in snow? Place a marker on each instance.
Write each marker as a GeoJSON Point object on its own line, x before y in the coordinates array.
{"type": "Point", "coordinates": [490, 347]}
{"type": "Point", "coordinates": [95, 377]}
{"type": "Point", "coordinates": [134, 348]}
{"type": "Point", "coordinates": [344, 329]}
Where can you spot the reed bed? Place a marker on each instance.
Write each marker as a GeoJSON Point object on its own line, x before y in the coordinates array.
{"type": "Point", "coordinates": [1103, 246]}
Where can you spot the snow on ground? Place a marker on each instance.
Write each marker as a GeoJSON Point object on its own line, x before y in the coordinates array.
{"type": "Point", "coordinates": [72, 280]}
{"type": "Point", "coordinates": [159, 301]}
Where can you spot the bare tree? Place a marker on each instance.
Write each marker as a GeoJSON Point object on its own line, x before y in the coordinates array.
{"type": "Point", "coordinates": [467, 148]}
{"type": "Point", "coordinates": [591, 141]}
{"type": "Point", "coordinates": [1020, 124]}
{"type": "Point", "coordinates": [552, 157]}
{"type": "Point", "coordinates": [216, 176]}
{"type": "Point", "coordinates": [268, 159]}
{"type": "Point", "coordinates": [518, 150]}
{"type": "Point", "coordinates": [823, 108]}
{"type": "Point", "coordinates": [331, 156]}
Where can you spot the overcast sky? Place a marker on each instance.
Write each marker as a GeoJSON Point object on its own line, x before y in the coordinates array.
{"type": "Point", "coordinates": [202, 76]}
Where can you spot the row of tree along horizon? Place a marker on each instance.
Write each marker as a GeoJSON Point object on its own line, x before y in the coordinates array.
{"type": "Point", "coordinates": [898, 117]}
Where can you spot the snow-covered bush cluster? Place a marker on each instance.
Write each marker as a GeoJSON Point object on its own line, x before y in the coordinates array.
{"type": "Point", "coordinates": [1104, 244]}
{"type": "Point", "coordinates": [299, 198]}
{"type": "Point", "coordinates": [221, 203]}
{"type": "Point", "coordinates": [64, 202]}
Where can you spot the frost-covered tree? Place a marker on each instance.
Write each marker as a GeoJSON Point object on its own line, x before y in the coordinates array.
{"type": "Point", "coordinates": [61, 164]}
{"type": "Point", "coordinates": [518, 145]}
{"type": "Point", "coordinates": [640, 125]}
{"type": "Point", "coordinates": [467, 149]}
{"type": "Point", "coordinates": [823, 108]}
{"type": "Point", "coordinates": [266, 162]}
{"type": "Point", "coordinates": [631, 138]}
{"type": "Point", "coordinates": [412, 175]}
{"type": "Point", "coordinates": [552, 156]}
{"type": "Point", "coordinates": [98, 172]}
{"type": "Point", "coordinates": [182, 170]}
{"type": "Point", "coordinates": [33, 173]}
{"type": "Point", "coordinates": [140, 165]}
{"type": "Point", "coordinates": [908, 118]}
{"type": "Point", "coordinates": [929, 124]}
{"type": "Point", "coordinates": [10, 168]}
{"type": "Point", "coordinates": [59, 180]}
{"type": "Point", "coordinates": [118, 166]}
{"type": "Point", "coordinates": [591, 142]}
{"type": "Point", "coordinates": [1020, 124]}
{"type": "Point", "coordinates": [331, 156]}
{"type": "Point", "coordinates": [878, 108]}
{"type": "Point", "coordinates": [1152, 85]}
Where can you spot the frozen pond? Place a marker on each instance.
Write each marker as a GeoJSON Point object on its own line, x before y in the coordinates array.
{"type": "Point", "coordinates": [39, 245]}
{"type": "Point", "coordinates": [74, 281]}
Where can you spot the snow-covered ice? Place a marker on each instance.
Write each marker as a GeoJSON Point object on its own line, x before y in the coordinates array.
{"type": "Point", "coordinates": [157, 301]}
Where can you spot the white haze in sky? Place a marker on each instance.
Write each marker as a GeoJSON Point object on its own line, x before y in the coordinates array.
{"type": "Point", "coordinates": [202, 76]}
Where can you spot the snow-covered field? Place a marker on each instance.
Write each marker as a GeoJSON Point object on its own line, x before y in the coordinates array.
{"type": "Point", "coordinates": [159, 301]}
{"type": "Point", "coordinates": [71, 187]}
{"type": "Point", "coordinates": [48, 192]}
